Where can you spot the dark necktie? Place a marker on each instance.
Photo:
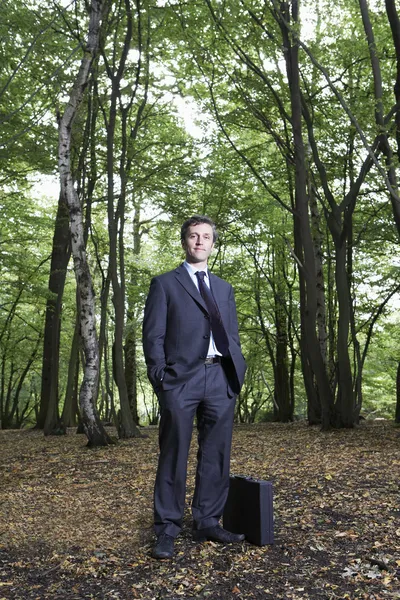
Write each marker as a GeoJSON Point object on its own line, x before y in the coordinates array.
{"type": "Point", "coordinates": [217, 327]}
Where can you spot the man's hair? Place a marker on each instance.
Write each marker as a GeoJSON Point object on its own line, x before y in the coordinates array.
{"type": "Point", "coordinates": [197, 220]}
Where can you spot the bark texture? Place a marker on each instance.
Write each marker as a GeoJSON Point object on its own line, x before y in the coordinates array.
{"type": "Point", "coordinates": [89, 389]}
{"type": "Point", "coordinates": [397, 415]}
{"type": "Point", "coordinates": [304, 241]}
{"type": "Point", "coordinates": [394, 22]}
{"type": "Point", "coordinates": [71, 409]}
{"type": "Point", "coordinates": [117, 120]}
{"type": "Point", "coordinates": [48, 418]}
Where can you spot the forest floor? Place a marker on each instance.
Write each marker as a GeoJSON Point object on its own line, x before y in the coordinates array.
{"type": "Point", "coordinates": [77, 523]}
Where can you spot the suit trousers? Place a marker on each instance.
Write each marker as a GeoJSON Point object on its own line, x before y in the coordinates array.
{"type": "Point", "coordinates": [207, 396]}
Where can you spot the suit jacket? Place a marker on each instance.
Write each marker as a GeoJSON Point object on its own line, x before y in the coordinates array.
{"type": "Point", "coordinates": [176, 330]}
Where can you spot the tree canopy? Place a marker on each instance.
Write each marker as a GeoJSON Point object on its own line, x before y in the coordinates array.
{"type": "Point", "coordinates": [279, 120]}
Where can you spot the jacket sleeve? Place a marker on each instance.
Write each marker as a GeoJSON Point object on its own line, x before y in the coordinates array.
{"type": "Point", "coordinates": [233, 318]}
{"type": "Point", "coordinates": [235, 349]}
{"type": "Point", "coordinates": [154, 331]}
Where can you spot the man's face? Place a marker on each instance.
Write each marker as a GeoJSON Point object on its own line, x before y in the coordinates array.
{"type": "Point", "coordinates": [198, 243]}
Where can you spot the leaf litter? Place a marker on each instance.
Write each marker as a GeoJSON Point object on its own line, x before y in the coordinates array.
{"type": "Point", "coordinates": [77, 523]}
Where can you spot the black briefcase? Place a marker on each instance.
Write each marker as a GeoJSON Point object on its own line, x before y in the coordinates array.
{"type": "Point", "coordinates": [249, 510]}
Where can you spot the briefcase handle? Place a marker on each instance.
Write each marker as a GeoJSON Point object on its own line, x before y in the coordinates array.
{"type": "Point", "coordinates": [244, 477]}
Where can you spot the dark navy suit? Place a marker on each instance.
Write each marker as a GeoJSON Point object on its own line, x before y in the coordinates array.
{"type": "Point", "coordinates": [176, 337]}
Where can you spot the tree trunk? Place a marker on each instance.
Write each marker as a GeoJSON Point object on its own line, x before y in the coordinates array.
{"type": "Point", "coordinates": [282, 389]}
{"type": "Point", "coordinates": [131, 368]}
{"type": "Point", "coordinates": [394, 22]}
{"type": "Point", "coordinates": [339, 221]}
{"type": "Point", "coordinates": [116, 222]}
{"type": "Point", "coordinates": [70, 412]}
{"type": "Point", "coordinates": [8, 398]}
{"type": "Point", "coordinates": [3, 413]}
{"type": "Point", "coordinates": [302, 223]}
{"type": "Point", "coordinates": [131, 371]}
{"type": "Point", "coordinates": [321, 304]}
{"type": "Point", "coordinates": [48, 418]}
{"type": "Point", "coordinates": [109, 387]}
{"type": "Point", "coordinates": [397, 415]}
{"type": "Point", "coordinates": [281, 383]}
{"type": "Point", "coordinates": [127, 427]}
{"type": "Point", "coordinates": [14, 411]}
{"type": "Point", "coordinates": [96, 434]}
{"type": "Point", "coordinates": [345, 402]}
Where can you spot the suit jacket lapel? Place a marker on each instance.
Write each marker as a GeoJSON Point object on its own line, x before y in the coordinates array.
{"type": "Point", "coordinates": [184, 279]}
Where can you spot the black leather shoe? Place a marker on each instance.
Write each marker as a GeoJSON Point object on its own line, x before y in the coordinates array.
{"type": "Point", "coordinates": [217, 534]}
{"type": "Point", "coordinates": [164, 547]}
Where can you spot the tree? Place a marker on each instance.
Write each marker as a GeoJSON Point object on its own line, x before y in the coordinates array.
{"type": "Point", "coordinates": [94, 430]}
{"type": "Point", "coordinates": [48, 418]}
{"type": "Point", "coordinates": [247, 92]}
{"type": "Point", "coordinates": [297, 163]}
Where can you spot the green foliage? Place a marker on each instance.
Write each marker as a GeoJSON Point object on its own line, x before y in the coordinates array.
{"type": "Point", "coordinates": [25, 235]}
{"type": "Point", "coordinates": [228, 60]}
{"type": "Point", "coordinates": [380, 369]}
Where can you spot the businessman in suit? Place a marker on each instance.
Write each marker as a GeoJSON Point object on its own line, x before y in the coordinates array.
{"type": "Point", "coordinates": [195, 365]}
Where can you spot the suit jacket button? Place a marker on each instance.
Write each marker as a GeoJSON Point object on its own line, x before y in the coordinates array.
{"type": "Point", "coordinates": [202, 357]}
{"type": "Point", "coordinates": [206, 337]}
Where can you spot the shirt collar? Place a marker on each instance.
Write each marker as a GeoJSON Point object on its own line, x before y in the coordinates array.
{"type": "Point", "coordinates": [192, 270]}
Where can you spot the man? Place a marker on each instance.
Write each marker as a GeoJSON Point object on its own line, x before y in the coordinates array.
{"type": "Point", "coordinates": [194, 362]}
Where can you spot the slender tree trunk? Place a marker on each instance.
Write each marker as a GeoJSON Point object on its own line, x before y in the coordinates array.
{"type": "Point", "coordinates": [357, 359]}
{"type": "Point", "coordinates": [293, 358]}
{"type": "Point", "coordinates": [7, 374]}
{"type": "Point", "coordinates": [282, 389]}
{"type": "Point", "coordinates": [345, 402]}
{"type": "Point", "coordinates": [321, 304]}
{"type": "Point", "coordinates": [116, 222]}
{"type": "Point", "coordinates": [339, 221]}
{"type": "Point", "coordinates": [131, 328]}
{"type": "Point", "coordinates": [3, 416]}
{"type": "Point", "coordinates": [129, 133]}
{"type": "Point", "coordinates": [357, 369]}
{"type": "Point", "coordinates": [127, 427]}
{"type": "Point", "coordinates": [70, 412]}
{"type": "Point", "coordinates": [378, 89]}
{"type": "Point", "coordinates": [394, 21]}
{"type": "Point", "coordinates": [48, 418]}
{"type": "Point", "coordinates": [268, 344]}
{"type": "Point", "coordinates": [109, 386]}
{"type": "Point", "coordinates": [2, 394]}
{"type": "Point", "coordinates": [17, 392]}
{"type": "Point", "coordinates": [131, 367]}
{"type": "Point", "coordinates": [397, 415]}
{"type": "Point", "coordinates": [313, 399]}
{"type": "Point", "coordinates": [94, 430]}
{"type": "Point", "coordinates": [281, 383]}
{"type": "Point", "coordinates": [8, 398]}
{"type": "Point", "coordinates": [307, 261]}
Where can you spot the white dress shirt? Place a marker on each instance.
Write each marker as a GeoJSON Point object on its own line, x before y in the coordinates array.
{"type": "Point", "coordinates": [212, 349]}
